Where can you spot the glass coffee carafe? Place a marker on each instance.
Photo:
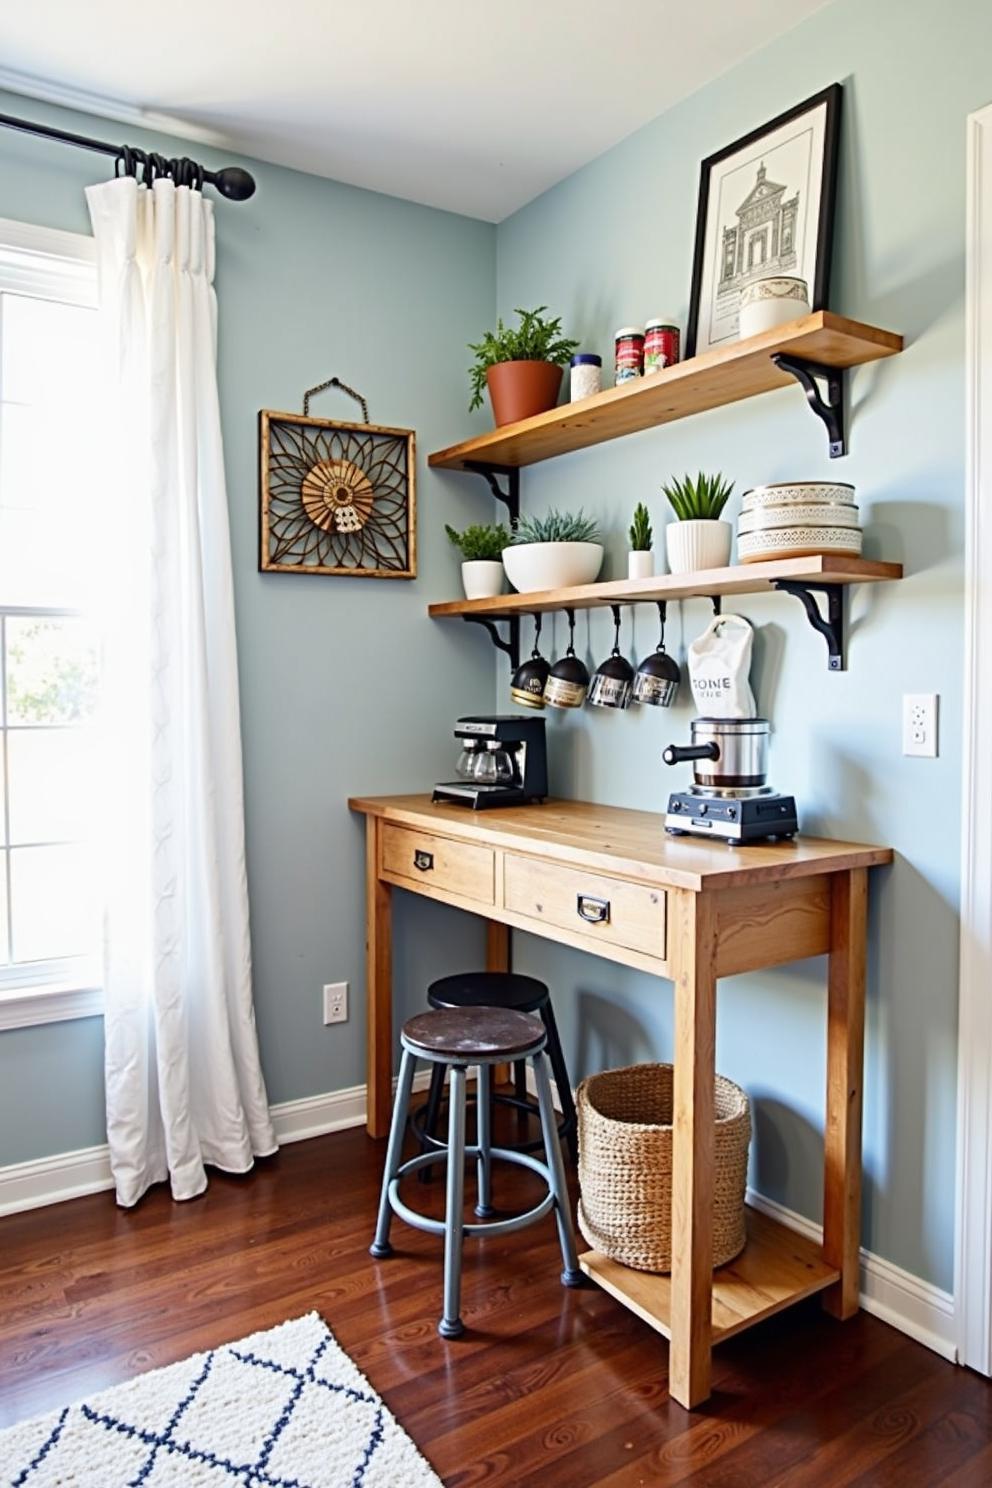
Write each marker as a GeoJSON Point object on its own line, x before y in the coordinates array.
{"type": "Point", "coordinates": [493, 765]}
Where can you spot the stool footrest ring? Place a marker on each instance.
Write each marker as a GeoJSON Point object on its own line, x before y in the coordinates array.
{"type": "Point", "coordinates": [493, 1227]}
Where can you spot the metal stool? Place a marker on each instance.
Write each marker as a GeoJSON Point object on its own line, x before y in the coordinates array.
{"type": "Point", "coordinates": [499, 989]}
{"type": "Point", "coordinates": [460, 1038]}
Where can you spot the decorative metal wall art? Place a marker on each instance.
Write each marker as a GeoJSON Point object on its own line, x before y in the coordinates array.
{"type": "Point", "coordinates": [336, 498]}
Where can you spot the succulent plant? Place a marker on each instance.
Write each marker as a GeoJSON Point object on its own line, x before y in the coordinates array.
{"type": "Point", "coordinates": [533, 340]}
{"type": "Point", "coordinates": [640, 529]}
{"type": "Point", "coordinates": [481, 543]}
{"type": "Point", "coordinates": [700, 499]}
{"type": "Point", "coordinates": [555, 526]}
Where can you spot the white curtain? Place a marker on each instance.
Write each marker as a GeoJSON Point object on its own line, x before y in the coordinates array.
{"type": "Point", "coordinates": [184, 1081]}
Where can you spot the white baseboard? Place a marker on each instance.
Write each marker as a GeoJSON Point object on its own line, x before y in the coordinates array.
{"type": "Point", "coordinates": [914, 1306]}
{"type": "Point", "coordinates": [898, 1297]}
{"type": "Point", "coordinates": [51, 1180]}
{"type": "Point", "coordinates": [71, 1175]}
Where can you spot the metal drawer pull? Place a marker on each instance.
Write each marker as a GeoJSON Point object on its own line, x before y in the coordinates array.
{"type": "Point", "coordinates": [596, 911]}
{"type": "Point", "coordinates": [423, 860]}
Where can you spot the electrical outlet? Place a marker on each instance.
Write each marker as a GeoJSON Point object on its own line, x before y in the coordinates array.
{"type": "Point", "coordinates": [335, 1002]}
{"type": "Point", "coordinates": [919, 724]}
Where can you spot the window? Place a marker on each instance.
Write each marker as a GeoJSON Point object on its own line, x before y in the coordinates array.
{"type": "Point", "coordinates": [50, 465]}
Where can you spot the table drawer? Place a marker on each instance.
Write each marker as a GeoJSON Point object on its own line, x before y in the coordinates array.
{"type": "Point", "coordinates": [606, 909]}
{"type": "Point", "coordinates": [439, 863]}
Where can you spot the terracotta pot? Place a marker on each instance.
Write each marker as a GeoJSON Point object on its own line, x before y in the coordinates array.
{"type": "Point", "coordinates": [518, 390]}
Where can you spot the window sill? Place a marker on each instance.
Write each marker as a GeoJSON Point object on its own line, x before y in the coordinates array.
{"type": "Point", "coordinates": [54, 1002]}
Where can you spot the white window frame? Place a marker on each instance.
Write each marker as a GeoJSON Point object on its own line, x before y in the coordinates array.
{"type": "Point", "coordinates": [53, 265]}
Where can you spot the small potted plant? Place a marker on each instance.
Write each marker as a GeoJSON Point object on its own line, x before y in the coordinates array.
{"type": "Point", "coordinates": [520, 365]}
{"type": "Point", "coordinates": [640, 559]}
{"type": "Point", "coordinates": [698, 538]}
{"type": "Point", "coordinates": [482, 559]}
{"type": "Point", "coordinates": [553, 552]}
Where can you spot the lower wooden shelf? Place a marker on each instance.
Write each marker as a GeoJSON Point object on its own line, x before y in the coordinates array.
{"type": "Point", "coordinates": [776, 1268]}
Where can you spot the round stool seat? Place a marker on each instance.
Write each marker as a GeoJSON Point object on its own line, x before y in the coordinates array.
{"type": "Point", "coordinates": [505, 989]}
{"type": "Point", "coordinates": [466, 1035]}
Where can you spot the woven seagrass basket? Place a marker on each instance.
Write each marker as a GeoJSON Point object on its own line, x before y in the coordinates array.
{"type": "Point", "coordinates": [625, 1166]}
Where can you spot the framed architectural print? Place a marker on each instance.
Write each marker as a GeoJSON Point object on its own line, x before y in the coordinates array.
{"type": "Point", "coordinates": [336, 498]}
{"type": "Point", "coordinates": [766, 208]}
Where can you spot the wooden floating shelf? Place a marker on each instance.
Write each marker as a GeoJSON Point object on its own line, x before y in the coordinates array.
{"type": "Point", "coordinates": [742, 578]}
{"type": "Point", "coordinates": [711, 380]}
{"type": "Point", "coordinates": [776, 1268]}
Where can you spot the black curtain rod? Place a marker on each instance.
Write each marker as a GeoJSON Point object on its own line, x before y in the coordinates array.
{"type": "Point", "coordinates": [233, 182]}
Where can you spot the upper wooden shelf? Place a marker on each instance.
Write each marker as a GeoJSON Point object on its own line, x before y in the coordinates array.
{"type": "Point", "coordinates": [740, 578]}
{"type": "Point", "coordinates": [708, 381]}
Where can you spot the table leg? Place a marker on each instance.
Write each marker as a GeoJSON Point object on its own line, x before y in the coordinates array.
{"type": "Point", "coordinates": [693, 1149]}
{"type": "Point", "coordinates": [845, 1060]}
{"type": "Point", "coordinates": [498, 959]}
{"type": "Point", "coordinates": [378, 989]}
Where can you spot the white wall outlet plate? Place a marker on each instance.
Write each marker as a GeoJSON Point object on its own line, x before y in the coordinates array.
{"type": "Point", "coordinates": [335, 1002]}
{"type": "Point", "coordinates": [919, 724]}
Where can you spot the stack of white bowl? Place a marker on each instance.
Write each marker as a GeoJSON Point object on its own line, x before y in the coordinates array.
{"type": "Point", "coordinates": [798, 519]}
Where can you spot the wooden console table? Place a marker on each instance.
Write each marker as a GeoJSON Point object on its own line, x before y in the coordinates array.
{"type": "Point", "coordinates": [690, 911]}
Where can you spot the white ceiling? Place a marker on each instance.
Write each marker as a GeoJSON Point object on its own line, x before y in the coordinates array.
{"type": "Point", "coordinates": [472, 105]}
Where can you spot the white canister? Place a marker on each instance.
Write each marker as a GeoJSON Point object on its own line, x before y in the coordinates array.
{"type": "Point", "coordinates": [768, 303]}
{"type": "Point", "coordinates": [586, 376]}
{"type": "Point", "coordinates": [640, 563]}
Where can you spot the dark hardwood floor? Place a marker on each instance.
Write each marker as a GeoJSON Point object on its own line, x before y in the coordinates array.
{"type": "Point", "coordinates": [549, 1387]}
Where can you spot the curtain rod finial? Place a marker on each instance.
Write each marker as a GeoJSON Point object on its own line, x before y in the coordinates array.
{"type": "Point", "coordinates": [234, 183]}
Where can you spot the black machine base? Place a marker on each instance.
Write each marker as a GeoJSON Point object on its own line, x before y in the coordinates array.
{"type": "Point", "coordinates": [481, 797]}
{"type": "Point", "coordinates": [735, 819]}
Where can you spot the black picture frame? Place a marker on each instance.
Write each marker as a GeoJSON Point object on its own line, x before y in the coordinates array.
{"type": "Point", "coordinates": [831, 98]}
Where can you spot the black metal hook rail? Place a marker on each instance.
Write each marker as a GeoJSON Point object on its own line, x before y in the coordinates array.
{"type": "Point", "coordinates": [232, 182]}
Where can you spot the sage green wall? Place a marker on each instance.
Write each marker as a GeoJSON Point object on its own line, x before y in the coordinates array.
{"type": "Point", "coordinates": [611, 246]}
{"type": "Point", "coordinates": [346, 686]}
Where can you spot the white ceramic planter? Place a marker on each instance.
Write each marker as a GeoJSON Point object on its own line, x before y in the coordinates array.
{"type": "Point", "coordinates": [557, 565]}
{"type": "Point", "coordinates": [483, 578]}
{"type": "Point", "coordinates": [640, 563]}
{"type": "Point", "coordinates": [698, 544]}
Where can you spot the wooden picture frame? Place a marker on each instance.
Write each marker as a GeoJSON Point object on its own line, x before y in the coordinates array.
{"type": "Point", "coordinates": [336, 498]}
{"type": "Point", "coordinates": [795, 152]}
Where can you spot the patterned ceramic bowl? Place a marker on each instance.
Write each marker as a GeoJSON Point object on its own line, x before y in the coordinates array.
{"type": "Point", "coordinates": [797, 542]}
{"type": "Point", "coordinates": [826, 514]}
{"type": "Point", "coordinates": [809, 493]}
{"type": "Point", "coordinates": [772, 302]}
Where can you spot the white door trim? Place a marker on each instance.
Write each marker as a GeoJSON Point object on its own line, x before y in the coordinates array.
{"type": "Point", "coordinates": [973, 1248]}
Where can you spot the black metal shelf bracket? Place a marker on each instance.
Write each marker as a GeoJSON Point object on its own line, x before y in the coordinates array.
{"type": "Point", "coordinates": [829, 410]}
{"type": "Point", "coordinates": [510, 496]}
{"type": "Point", "coordinates": [510, 645]}
{"type": "Point", "coordinates": [831, 626]}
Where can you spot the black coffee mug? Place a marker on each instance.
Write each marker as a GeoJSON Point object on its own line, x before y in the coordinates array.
{"type": "Point", "coordinates": [657, 678]}
{"type": "Point", "coordinates": [568, 679]}
{"type": "Point", "coordinates": [529, 681]}
{"type": "Point", "coordinates": [613, 679]}
{"type": "Point", "coordinates": [530, 678]}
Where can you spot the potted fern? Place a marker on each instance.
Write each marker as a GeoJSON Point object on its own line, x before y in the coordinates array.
{"type": "Point", "coordinates": [520, 365]}
{"type": "Point", "coordinates": [553, 552]}
{"type": "Point", "coordinates": [640, 559]}
{"type": "Point", "coordinates": [482, 559]}
{"type": "Point", "coordinates": [698, 538]}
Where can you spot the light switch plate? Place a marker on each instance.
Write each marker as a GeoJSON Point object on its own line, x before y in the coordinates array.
{"type": "Point", "coordinates": [919, 724]}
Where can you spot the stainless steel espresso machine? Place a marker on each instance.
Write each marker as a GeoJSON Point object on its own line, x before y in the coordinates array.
{"type": "Point", "coordinates": [728, 797]}
{"type": "Point", "coordinates": [503, 762]}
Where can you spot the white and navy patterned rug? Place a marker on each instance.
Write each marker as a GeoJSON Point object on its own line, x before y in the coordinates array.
{"type": "Point", "coordinates": [281, 1409]}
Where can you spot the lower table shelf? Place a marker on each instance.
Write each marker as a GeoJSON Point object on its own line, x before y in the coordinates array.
{"type": "Point", "coordinates": [776, 1268]}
